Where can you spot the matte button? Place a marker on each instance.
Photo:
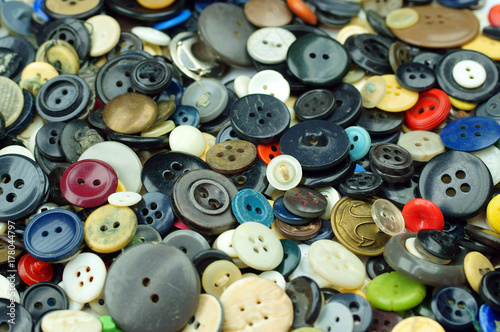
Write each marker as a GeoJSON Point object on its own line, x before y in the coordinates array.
{"type": "Point", "coordinates": [422, 145]}
{"type": "Point", "coordinates": [398, 55]}
{"type": "Point", "coordinates": [306, 299]}
{"type": "Point", "coordinates": [305, 269]}
{"type": "Point", "coordinates": [335, 316]}
{"type": "Point", "coordinates": [476, 265]}
{"type": "Point", "coordinates": [59, 52]}
{"type": "Point", "coordinates": [402, 18]}
{"type": "Point", "coordinates": [231, 157]}
{"type": "Point", "coordinates": [218, 276]}
{"type": "Point", "coordinates": [104, 34]}
{"type": "Point", "coordinates": [418, 323]}
{"type": "Point", "coordinates": [360, 308]}
{"type": "Point", "coordinates": [208, 96]}
{"type": "Point", "coordinates": [83, 277]}
{"type": "Point", "coordinates": [301, 232]}
{"type": "Point", "coordinates": [284, 172]}
{"type": "Point", "coordinates": [485, 45]}
{"type": "Point", "coordinates": [382, 8]}
{"type": "Point", "coordinates": [188, 241]}
{"type": "Point", "coordinates": [250, 205]}
{"type": "Point", "coordinates": [370, 52]}
{"type": "Point", "coordinates": [12, 104]}
{"type": "Point", "coordinates": [397, 99]}
{"type": "Point", "coordinates": [270, 82]}
{"type": "Point", "coordinates": [43, 297]}
{"type": "Point", "coordinates": [253, 178]}
{"type": "Point", "coordinates": [76, 137]}
{"type": "Point", "coordinates": [373, 91]}
{"type": "Point", "coordinates": [209, 315]}
{"type": "Point", "coordinates": [151, 76]}
{"type": "Point", "coordinates": [454, 307]}
{"type": "Point", "coordinates": [421, 213]}
{"type": "Point", "coordinates": [270, 45]}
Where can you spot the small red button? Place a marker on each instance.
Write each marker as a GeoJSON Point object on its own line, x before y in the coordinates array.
{"type": "Point", "coordinates": [494, 16]}
{"type": "Point", "coordinates": [267, 152]}
{"type": "Point", "coordinates": [32, 270]}
{"type": "Point", "coordinates": [88, 183]}
{"type": "Point", "coordinates": [420, 214]}
{"type": "Point", "coordinates": [431, 109]}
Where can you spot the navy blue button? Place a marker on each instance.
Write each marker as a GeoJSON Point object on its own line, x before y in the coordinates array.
{"type": "Point", "coordinates": [227, 133]}
{"type": "Point", "coordinates": [27, 115]}
{"type": "Point", "coordinates": [471, 133]}
{"type": "Point", "coordinates": [361, 309]}
{"type": "Point", "coordinates": [488, 318]}
{"type": "Point", "coordinates": [48, 141]}
{"type": "Point", "coordinates": [155, 210]}
{"type": "Point", "coordinates": [43, 297]}
{"type": "Point", "coordinates": [291, 257]}
{"type": "Point", "coordinates": [23, 321]}
{"type": "Point", "coordinates": [250, 205]}
{"type": "Point", "coordinates": [252, 178]}
{"type": "Point", "coordinates": [454, 308]}
{"type": "Point", "coordinates": [282, 213]}
{"type": "Point", "coordinates": [54, 235]}
{"type": "Point", "coordinates": [186, 115]}
{"type": "Point", "coordinates": [174, 92]}
{"type": "Point", "coordinates": [376, 266]}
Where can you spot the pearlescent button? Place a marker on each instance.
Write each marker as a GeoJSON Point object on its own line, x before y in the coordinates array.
{"type": "Point", "coordinates": [187, 139]}
{"type": "Point", "coordinates": [70, 320]}
{"type": "Point", "coordinates": [421, 144]}
{"type": "Point", "coordinates": [275, 277]}
{"type": "Point", "coordinates": [124, 198]}
{"type": "Point", "coordinates": [332, 197]}
{"type": "Point", "coordinates": [270, 82]}
{"type": "Point", "coordinates": [491, 158]}
{"type": "Point", "coordinates": [84, 277]}
{"type": "Point", "coordinates": [387, 217]}
{"type": "Point", "coordinates": [270, 45]}
{"type": "Point", "coordinates": [209, 315]}
{"type": "Point", "coordinates": [241, 83]}
{"type": "Point", "coordinates": [104, 34]}
{"type": "Point", "coordinates": [151, 35]}
{"type": "Point", "coordinates": [305, 268]}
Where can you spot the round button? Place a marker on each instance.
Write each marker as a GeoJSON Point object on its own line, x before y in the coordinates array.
{"type": "Point", "coordinates": [84, 277]}
{"type": "Point", "coordinates": [422, 145]}
{"type": "Point", "coordinates": [250, 205]}
{"type": "Point", "coordinates": [402, 18]}
{"type": "Point", "coordinates": [387, 217]}
{"type": "Point", "coordinates": [231, 157]}
{"type": "Point", "coordinates": [208, 96]}
{"type": "Point", "coordinates": [469, 74]}
{"type": "Point", "coordinates": [23, 321]}
{"type": "Point", "coordinates": [360, 142]}
{"type": "Point", "coordinates": [209, 315]}
{"type": "Point", "coordinates": [267, 152]}
{"type": "Point", "coordinates": [270, 45]}
{"type": "Point", "coordinates": [284, 172]}
{"type": "Point", "coordinates": [291, 257]}
{"type": "Point", "coordinates": [397, 98]}
{"type": "Point", "coordinates": [361, 185]}
{"type": "Point", "coordinates": [438, 243]}
{"type": "Point", "coordinates": [154, 210]}
{"type": "Point", "coordinates": [492, 216]}
{"type": "Point", "coordinates": [454, 307]}
{"type": "Point", "coordinates": [306, 299]}
{"type": "Point", "coordinates": [370, 52]}
{"type": "Point", "coordinates": [12, 105]}
{"type": "Point", "coordinates": [418, 323]}
{"type": "Point", "coordinates": [360, 308]}
{"type": "Point", "coordinates": [302, 10]}
{"type": "Point", "coordinates": [488, 318]}
{"type": "Point", "coordinates": [267, 13]}
{"type": "Point", "coordinates": [476, 265]}
{"type": "Point", "coordinates": [283, 214]}
{"type": "Point", "coordinates": [335, 316]}
{"type": "Point", "coordinates": [218, 276]}
{"type": "Point", "coordinates": [488, 289]}
{"type": "Point", "coordinates": [470, 133]}
{"type": "Point", "coordinates": [420, 214]}
{"type": "Point", "coordinates": [304, 202]}
{"type": "Point", "coordinates": [270, 82]}
{"type": "Point", "coordinates": [43, 297]}
{"type": "Point", "coordinates": [314, 104]}
{"type": "Point", "coordinates": [32, 270]}
{"type": "Point", "coordinates": [431, 109]}
{"type": "Point", "coordinates": [373, 91]}
{"type": "Point", "coordinates": [415, 76]}
{"type": "Point", "coordinates": [104, 33]}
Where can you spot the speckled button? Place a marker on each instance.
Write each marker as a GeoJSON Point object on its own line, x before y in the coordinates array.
{"type": "Point", "coordinates": [231, 157]}
{"type": "Point", "coordinates": [270, 45]}
{"type": "Point", "coordinates": [284, 172]}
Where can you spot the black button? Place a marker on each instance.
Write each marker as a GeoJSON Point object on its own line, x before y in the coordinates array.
{"type": "Point", "coordinates": [151, 76]}
{"type": "Point", "coordinates": [391, 159]}
{"type": "Point", "coordinates": [24, 50]}
{"type": "Point", "coordinates": [370, 52]}
{"type": "Point", "coordinates": [377, 22]}
{"type": "Point", "coordinates": [26, 116]}
{"type": "Point", "coordinates": [438, 243]}
{"type": "Point", "coordinates": [14, 316]}
{"type": "Point", "coordinates": [376, 266]}
{"type": "Point", "coordinates": [69, 30]}
{"type": "Point", "coordinates": [127, 41]}
{"type": "Point", "coordinates": [96, 121]}
{"type": "Point", "coordinates": [252, 178]}
{"type": "Point", "coordinates": [455, 229]}
{"type": "Point", "coordinates": [139, 142]}
{"type": "Point", "coordinates": [485, 236]}
{"type": "Point", "coordinates": [389, 138]}
{"type": "Point", "coordinates": [43, 297]}
{"type": "Point", "coordinates": [329, 177]}
{"type": "Point", "coordinates": [55, 175]}
{"type": "Point", "coordinates": [45, 163]}
{"type": "Point", "coordinates": [492, 32]}
{"type": "Point", "coordinates": [340, 8]}
{"type": "Point", "coordinates": [347, 105]}
{"type": "Point", "coordinates": [415, 76]}
{"type": "Point", "coordinates": [315, 104]}
{"type": "Point", "coordinates": [204, 258]}
{"type": "Point", "coordinates": [489, 289]}
{"type": "Point", "coordinates": [259, 118]}
{"type": "Point", "coordinates": [361, 309]}
{"type": "Point", "coordinates": [48, 141]}
{"type": "Point", "coordinates": [429, 59]}
{"type": "Point", "coordinates": [361, 185]}
{"type": "Point", "coordinates": [155, 210]}
{"type": "Point", "coordinates": [490, 108]}
{"type": "Point", "coordinates": [401, 193]}
{"type": "Point", "coordinates": [291, 257]}
{"type": "Point", "coordinates": [473, 245]}
{"type": "Point", "coordinates": [300, 30]}
{"type": "Point", "coordinates": [380, 123]}
{"type": "Point", "coordinates": [2, 126]}
{"type": "Point", "coordinates": [306, 299]}
{"type": "Point", "coordinates": [332, 20]}
{"type": "Point", "coordinates": [304, 202]}
{"type": "Point", "coordinates": [133, 10]}
{"type": "Point", "coordinates": [458, 183]}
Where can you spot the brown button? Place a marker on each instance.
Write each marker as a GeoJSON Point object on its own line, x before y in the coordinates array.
{"type": "Point", "coordinates": [398, 54]}
{"type": "Point", "coordinates": [65, 7]}
{"type": "Point", "coordinates": [298, 232]}
{"type": "Point", "coordinates": [7, 254]}
{"type": "Point", "coordinates": [355, 229]}
{"type": "Point", "coordinates": [268, 13]}
{"type": "Point", "coordinates": [231, 157]}
{"type": "Point", "coordinates": [440, 27]}
{"type": "Point", "coordinates": [130, 113]}
{"type": "Point", "coordinates": [165, 110]}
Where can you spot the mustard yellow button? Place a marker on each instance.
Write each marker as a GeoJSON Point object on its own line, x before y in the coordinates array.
{"type": "Point", "coordinates": [488, 46]}
{"type": "Point", "coordinates": [104, 34]}
{"type": "Point", "coordinates": [69, 8]}
{"type": "Point", "coordinates": [60, 54]}
{"type": "Point", "coordinates": [397, 98]}
{"type": "Point", "coordinates": [151, 48]}
{"type": "Point", "coordinates": [476, 265]}
{"type": "Point", "coordinates": [418, 324]}
{"type": "Point", "coordinates": [39, 71]}
{"type": "Point", "coordinates": [348, 31]}
{"type": "Point", "coordinates": [155, 4]}
{"type": "Point", "coordinates": [120, 187]}
{"type": "Point", "coordinates": [110, 228]}
{"type": "Point", "coordinates": [493, 213]}
{"type": "Point", "coordinates": [401, 18]}
{"type": "Point", "coordinates": [462, 105]}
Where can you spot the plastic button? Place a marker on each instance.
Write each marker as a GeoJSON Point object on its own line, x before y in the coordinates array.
{"type": "Point", "coordinates": [231, 157]}
{"type": "Point", "coordinates": [360, 142]}
{"type": "Point", "coordinates": [84, 277]}
{"type": "Point", "coordinates": [32, 270]}
{"type": "Point", "coordinates": [470, 134]}
{"type": "Point", "coordinates": [154, 210]}
{"type": "Point", "coordinates": [431, 109]}
{"type": "Point", "coordinates": [250, 205]}
{"type": "Point", "coordinates": [208, 96]}
{"type": "Point", "coordinates": [476, 265]}
{"type": "Point", "coordinates": [469, 74]}
{"type": "Point", "coordinates": [418, 323]}
{"type": "Point", "coordinates": [104, 34]}
{"type": "Point", "coordinates": [420, 214]}
{"type": "Point", "coordinates": [334, 316]}
{"type": "Point", "coordinates": [284, 172]}
{"type": "Point", "coordinates": [387, 217]}
{"type": "Point", "coordinates": [306, 298]}
{"type": "Point", "coordinates": [43, 297]}
{"type": "Point", "coordinates": [422, 145]}
{"type": "Point", "coordinates": [270, 45]}
{"type": "Point", "coordinates": [269, 82]}
{"type": "Point", "coordinates": [397, 99]}
{"type": "Point", "coordinates": [454, 307]}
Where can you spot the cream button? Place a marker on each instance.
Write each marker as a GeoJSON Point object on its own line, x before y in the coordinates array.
{"type": "Point", "coordinates": [84, 277]}
{"type": "Point", "coordinates": [275, 277]}
{"type": "Point", "coordinates": [70, 320]}
{"type": "Point", "coordinates": [218, 276]}
{"type": "Point", "coordinates": [187, 139]}
{"type": "Point", "coordinates": [224, 242]}
{"type": "Point", "coordinates": [491, 158]}
{"type": "Point", "coordinates": [209, 315]}
{"type": "Point", "coordinates": [469, 74]}
{"type": "Point", "coordinates": [241, 83]}
{"type": "Point", "coordinates": [270, 45]}
{"type": "Point", "coordinates": [104, 34]}
{"type": "Point", "coordinates": [304, 268]}
{"type": "Point", "coordinates": [124, 198]}
{"type": "Point", "coordinates": [332, 197]}
{"type": "Point", "coordinates": [284, 172]}
{"type": "Point", "coordinates": [152, 36]}
{"type": "Point", "coordinates": [7, 290]}
{"type": "Point", "coordinates": [270, 82]}
{"type": "Point", "coordinates": [98, 305]}
{"type": "Point", "coordinates": [73, 305]}
{"type": "Point", "coordinates": [422, 145]}
{"type": "Point", "coordinates": [17, 149]}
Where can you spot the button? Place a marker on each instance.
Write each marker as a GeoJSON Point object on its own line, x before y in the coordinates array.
{"type": "Point", "coordinates": [395, 292]}
{"type": "Point", "coordinates": [422, 145]}
{"type": "Point", "coordinates": [39, 71]}
{"type": "Point", "coordinates": [476, 265]}
{"type": "Point", "coordinates": [209, 315]}
{"type": "Point", "coordinates": [104, 34]}
{"type": "Point", "coordinates": [485, 45]}
{"type": "Point", "coordinates": [361, 185]}
{"type": "Point", "coordinates": [253, 178]}
{"type": "Point", "coordinates": [303, 11]}
{"type": "Point", "coordinates": [59, 54]}
{"type": "Point", "coordinates": [348, 31]}
{"type": "Point", "coordinates": [110, 228]}
{"type": "Point", "coordinates": [384, 320]}
{"type": "Point", "coordinates": [379, 123]}
{"type": "Point", "coordinates": [360, 308]}
{"type": "Point", "coordinates": [360, 142]}
{"type": "Point", "coordinates": [269, 82]}
{"type": "Point", "coordinates": [440, 27]}
{"type": "Point", "coordinates": [187, 139]}
{"type": "Point", "coordinates": [402, 18]}
{"type": "Point", "coordinates": [415, 76]}
{"type": "Point", "coordinates": [469, 74]}
{"type": "Point", "coordinates": [301, 232]}
{"type": "Point", "coordinates": [291, 257]}
{"type": "Point", "coordinates": [414, 248]}
{"type": "Point", "coordinates": [418, 323]}
{"type": "Point", "coordinates": [231, 157]}
{"type": "Point", "coordinates": [494, 16]}
{"type": "Point", "coordinates": [23, 321]}
{"type": "Point", "coordinates": [151, 76]}
{"type": "Point", "coordinates": [12, 104]}
{"type": "Point", "coordinates": [370, 52]}
{"type": "Point", "coordinates": [377, 23]}
{"type": "Point", "coordinates": [218, 276]}
{"type": "Point", "coordinates": [391, 159]}
{"type": "Point", "coordinates": [204, 258]}
{"type": "Point", "coordinates": [77, 321]}
{"type": "Point", "coordinates": [382, 9]}
{"type": "Point", "coordinates": [269, 45]}
{"type": "Point", "coordinates": [305, 269]}
{"type": "Point", "coordinates": [373, 91]}
{"type": "Point", "coordinates": [488, 318]}
{"type": "Point", "coordinates": [483, 235]}
{"type": "Point", "coordinates": [332, 197]}
{"type": "Point", "coordinates": [154, 210]}
{"type": "Point", "coordinates": [387, 217]}
{"type": "Point", "coordinates": [75, 138]}
{"type": "Point", "coordinates": [151, 35]}
{"type": "Point", "coordinates": [304, 202]}
{"type": "Point", "coordinates": [225, 30]}
{"type": "Point", "coordinates": [306, 299]}
{"type": "Point", "coordinates": [317, 60]}
{"type": "Point", "coordinates": [124, 198]}
{"type": "Point", "coordinates": [43, 297]}
{"type": "Point", "coordinates": [250, 205]}
{"type": "Point", "coordinates": [32, 270]}
{"type": "Point", "coordinates": [488, 289]}
{"type": "Point", "coordinates": [283, 214]}
{"type": "Point", "coordinates": [188, 241]}
{"type": "Point", "coordinates": [397, 99]}
{"type": "Point", "coordinates": [471, 133]}
{"type": "Point", "coordinates": [19, 46]}
{"type": "Point", "coordinates": [421, 213]}
{"type": "Point", "coordinates": [438, 243]}
{"type": "Point", "coordinates": [314, 104]}
{"type": "Point", "coordinates": [284, 172]}
{"type": "Point", "coordinates": [208, 96]}
{"type": "Point", "coordinates": [492, 216]}
{"type": "Point", "coordinates": [183, 115]}
{"type": "Point", "coordinates": [267, 13]}
{"type": "Point", "coordinates": [334, 316]}
{"type": "Point", "coordinates": [398, 55]}
{"type": "Point", "coordinates": [347, 105]}
{"type": "Point", "coordinates": [453, 307]}
{"type": "Point", "coordinates": [48, 141]}
{"type": "Point", "coordinates": [256, 303]}
{"type": "Point", "coordinates": [267, 152]}
{"type": "Point", "coordinates": [376, 265]}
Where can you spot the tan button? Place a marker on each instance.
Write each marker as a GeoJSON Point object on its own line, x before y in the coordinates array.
{"type": "Point", "coordinates": [398, 54]}
{"type": "Point", "coordinates": [104, 34]}
{"type": "Point", "coordinates": [267, 13]}
{"type": "Point", "coordinates": [70, 320]}
{"type": "Point", "coordinates": [12, 101]}
{"type": "Point", "coordinates": [69, 8]}
{"type": "Point", "coordinates": [60, 54]}
{"type": "Point", "coordinates": [218, 276]}
{"type": "Point", "coordinates": [231, 157]}
{"type": "Point", "coordinates": [298, 232]}
{"type": "Point", "coordinates": [440, 27]}
{"type": "Point", "coordinates": [99, 305]}
{"type": "Point", "coordinates": [209, 315]}
{"type": "Point", "coordinates": [39, 71]}
{"type": "Point", "coordinates": [348, 31]}
{"type": "Point", "coordinates": [155, 4]}
{"type": "Point", "coordinates": [256, 304]}
{"type": "Point", "coordinates": [373, 91]}
{"type": "Point", "coordinates": [476, 265]}
{"type": "Point", "coordinates": [488, 46]}
{"type": "Point", "coordinates": [130, 113]}
{"type": "Point", "coordinates": [110, 228]}
{"type": "Point", "coordinates": [159, 129]}
{"type": "Point", "coordinates": [402, 18]}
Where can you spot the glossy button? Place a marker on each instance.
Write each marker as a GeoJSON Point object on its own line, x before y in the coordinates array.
{"type": "Point", "coordinates": [454, 307]}
{"type": "Point", "coordinates": [267, 13]}
{"type": "Point", "coordinates": [306, 298]}
{"type": "Point", "coordinates": [307, 203]}
{"type": "Point", "coordinates": [250, 205]}
{"type": "Point", "coordinates": [43, 297]}
{"type": "Point", "coordinates": [488, 318]}
{"type": "Point", "coordinates": [360, 308]}
{"type": "Point", "coordinates": [77, 321]}
{"type": "Point", "coordinates": [84, 277]}
{"type": "Point", "coordinates": [104, 34]}
{"type": "Point", "coordinates": [209, 315]}
{"type": "Point", "coordinates": [270, 82]}
{"type": "Point", "coordinates": [492, 214]}
{"type": "Point", "coordinates": [270, 45]}
{"type": "Point", "coordinates": [471, 133]}
{"type": "Point", "coordinates": [370, 52]}
{"type": "Point", "coordinates": [360, 142]}
{"type": "Point", "coordinates": [154, 209]}
{"type": "Point", "coordinates": [387, 217]}
{"type": "Point", "coordinates": [438, 243]}
{"type": "Point", "coordinates": [32, 270]}
{"type": "Point", "coordinates": [415, 76]}
{"type": "Point", "coordinates": [396, 98]}
{"type": "Point", "coordinates": [335, 316]}
{"type": "Point", "coordinates": [283, 214]}
{"type": "Point", "coordinates": [422, 145]}
{"type": "Point", "coordinates": [421, 213]}
{"type": "Point", "coordinates": [284, 172]}
{"type": "Point", "coordinates": [267, 152]}
{"type": "Point", "coordinates": [469, 74]}
{"type": "Point", "coordinates": [208, 96]}
{"type": "Point", "coordinates": [291, 257]}
{"type": "Point", "coordinates": [218, 276]}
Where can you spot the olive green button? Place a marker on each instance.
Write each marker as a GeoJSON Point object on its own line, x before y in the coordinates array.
{"type": "Point", "coordinates": [231, 157]}
{"type": "Point", "coordinates": [395, 292]}
{"type": "Point", "coordinates": [110, 228]}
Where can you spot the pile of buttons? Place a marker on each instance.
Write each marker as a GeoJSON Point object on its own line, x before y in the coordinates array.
{"type": "Point", "coordinates": [259, 165]}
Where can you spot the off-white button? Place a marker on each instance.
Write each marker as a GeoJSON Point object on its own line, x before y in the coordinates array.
{"type": "Point", "coordinates": [270, 45]}
{"type": "Point", "coordinates": [422, 145]}
{"type": "Point", "coordinates": [7, 291]}
{"type": "Point", "coordinates": [469, 74]}
{"type": "Point", "coordinates": [209, 315]}
{"type": "Point", "coordinates": [73, 305]}
{"type": "Point", "coordinates": [124, 198]}
{"type": "Point", "coordinates": [187, 139]}
{"type": "Point", "coordinates": [332, 197]}
{"type": "Point", "coordinates": [84, 277]}
{"type": "Point", "coordinates": [284, 172]}
{"type": "Point", "coordinates": [218, 276]}
{"type": "Point", "coordinates": [270, 82]}
{"type": "Point", "coordinates": [151, 35]}
{"type": "Point", "coordinates": [241, 85]}
{"type": "Point", "coordinates": [275, 277]}
{"type": "Point", "coordinates": [70, 320]}
{"type": "Point", "coordinates": [491, 158]}
{"type": "Point", "coordinates": [104, 34]}
{"type": "Point", "coordinates": [224, 242]}
{"type": "Point", "coordinates": [305, 269]}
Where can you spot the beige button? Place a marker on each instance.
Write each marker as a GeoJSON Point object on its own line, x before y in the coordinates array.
{"type": "Point", "coordinates": [354, 75]}
{"type": "Point", "coordinates": [348, 31]}
{"type": "Point", "coordinates": [99, 305]}
{"type": "Point", "coordinates": [60, 54]}
{"type": "Point", "coordinates": [73, 7]}
{"type": "Point", "coordinates": [402, 18]}
{"type": "Point", "coordinates": [104, 34]}
{"type": "Point", "coordinates": [267, 13]}
{"type": "Point", "coordinates": [422, 145]}
{"type": "Point", "coordinates": [256, 304]}
{"type": "Point", "coordinates": [70, 320]}
{"type": "Point", "coordinates": [39, 71]}
{"type": "Point", "coordinates": [218, 276]}
{"type": "Point", "coordinates": [373, 91]}
{"type": "Point", "coordinates": [231, 157]}
{"type": "Point", "coordinates": [160, 129]}
{"type": "Point", "coordinates": [12, 101]}
{"type": "Point", "coordinates": [418, 324]}
{"type": "Point", "coordinates": [224, 242]}
{"type": "Point", "coordinates": [476, 265]}
{"type": "Point", "coordinates": [209, 315]}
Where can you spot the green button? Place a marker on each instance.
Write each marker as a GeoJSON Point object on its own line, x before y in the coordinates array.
{"type": "Point", "coordinates": [395, 292]}
{"type": "Point", "coordinates": [108, 324]}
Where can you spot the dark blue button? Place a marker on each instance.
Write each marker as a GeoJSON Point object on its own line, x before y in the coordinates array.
{"type": "Point", "coordinates": [291, 257]}
{"type": "Point", "coordinates": [27, 115]}
{"type": "Point", "coordinates": [22, 322]}
{"type": "Point", "coordinates": [252, 178]}
{"type": "Point", "coordinates": [186, 115]}
{"type": "Point", "coordinates": [227, 133]}
{"type": "Point", "coordinates": [174, 92]}
{"type": "Point", "coordinates": [454, 308]}
{"type": "Point", "coordinates": [325, 232]}
{"type": "Point", "coordinates": [282, 213]}
{"type": "Point", "coordinates": [471, 133]}
{"type": "Point", "coordinates": [54, 235]}
{"type": "Point", "coordinates": [306, 299]}
{"type": "Point", "coordinates": [489, 289]}
{"type": "Point", "coordinates": [155, 210]}
{"type": "Point", "coordinates": [43, 297]}
{"type": "Point", "coordinates": [488, 318]}
{"type": "Point", "coordinates": [361, 309]}
{"type": "Point", "coordinates": [250, 205]}
{"type": "Point", "coordinates": [48, 141]}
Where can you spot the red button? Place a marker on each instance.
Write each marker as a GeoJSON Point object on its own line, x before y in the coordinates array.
{"type": "Point", "coordinates": [431, 109]}
{"type": "Point", "coordinates": [420, 214]}
{"type": "Point", "coordinates": [266, 152]}
{"type": "Point", "coordinates": [494, 16]}
{"type": "Point", "coordinates": [88, 183]}
{"type": "Point", "coordinates": [180, 225]}
{"type": "Point", "coordinates": [302, 10]}
{"type": "Point", "coordinates": [32, 270]}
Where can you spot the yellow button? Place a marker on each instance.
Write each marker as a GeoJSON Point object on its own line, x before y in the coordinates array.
{"type": "Point", "coordinates": [159, 129]}
{"type": "Point", "coordinates": [120, 187]}
{"type": "Point", "coordinates": [104, 34]}
{"type": "Point", "coordinates": [462, 105]}
{"type": "Point", "coordinates": [348, 31]}
{"type": "Point", "coordinates": [40, 71]}
{"type": "Point", "coordinates": [418, 324]}
{"type": "Point", "coordinates": [155, 4]}
{"type": "Point", "coordinates": [110, 228]}
{"type": "Point", "coordinates": [493, 213]}
{"type": "Point", "coordinates": [152, 48]}
{"type": "Point", "coordinates": [401, 18]}
{"type": "Point", "coordinates": [488, 46]}
{"type": "Point", "coordinates": [476, 265]}
{"type": "Point", "coordinates": [397, 98]}
{"type": "Point", "coordinates": [218, 276]}
{"type": "Point", "coordinates": [60, 54]}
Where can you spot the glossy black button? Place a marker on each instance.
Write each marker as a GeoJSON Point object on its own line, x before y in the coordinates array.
{"type": "Point", "coordinates": [156, 275]}
{"type": "Point", "coordinates": [63, 98]}
{"type": "Point", "coordinates": [458, 183]}
{"type": "Point", "coordinates": [259, 118]}
{"type": "Point", "coordinates": [376, 266]}
{"type": "Point", "coordinates": [300, 30]}
{"type": "Point", "coordinates": [127, 41]}
{"type": "Point", "coordinates": [55, 175]}
{"type": "Point", "coordinates": [201, 199]}
{"type": "Point", "coordinates": [151, 76]}
{"type": "Point", "coordinates": [46, 164]}
{"type": "Point", "coordinates": [96, 121]}
{"type": "Point", "coordinates": [282, 213]}
{"type": "Point", "coordinates": [438, 243]}
{"type": "Point", "coordinates": [430, 59]}
{"type": "Point", "coordinates": [401, 193]}
{"type": "Point", "coordinates": [139, 142]}
{"type": "Point", "coordinates": [316, 144]}
{"type": "Point", "coordinates": [161, 170]}
{"type": "Point", "coordinates": [415, 76]}
{"type": "Point", "coordinates": [26, 116]}
{"type": "Point", "coordinates": [70, 30]}
{"type": "Point", "coordinates": [380, 123]}
{"type": "Point", "coordinates": [361, 185]}
{"type": "Point", "coordinates": [252, 178]}
{"type": "Point", "coordinates": [370, 52]}
{"type": "Point", "coordinates": [361, 309]}
{"type": "Point", "coordinates": [347, 105]}
{"type": "Point", "coordinates": [315, 104]}
{"type": "Point", "coordinates": [444, 75]}
{"type": "Point", "coordinates": [336, 7]}
{"type": "Point", "coordinates": [489, 289]}
{"type": "Point", "coordinates": [492, 32]}
{"type": "Point", "coordinates": [390, 178]}
{"type": "Point", "coordinates": [14, 316]}
{"type": "Point", "coordinates": [76, 137]}
{"type": "Point", "coordinates": [454, 307]}
{"type": "Point", "coordinates": [483, 235]}
{"type": "Point", "coordinates": [305, 202]}
{"type": "Point", "coordinates": [24, 50]}
{"type": "Point", "coordinates": [455, 229]}
{"type": "Point", "coordinates": [114, 78]}
{"type": "Point", "coordinates": [317, 60]}
{"type": "Point", "coordinates": [43, 297]}
{"type": "Point", "coordinates": [155, 210]}
{"type": "Point", "coordinates": [204, 258]}
{"type": "Point", "coordinates": [132, 9]}
{"type": "Point", "coordinates": [306, 299]}
{"type": "Point", "coordinates": [48, 141]}
{"type": "Point", "coordinates": [391, 159]}
{"type": "Point", "coordinates": [377, 22]}
{"type": "Point", "coordinates": [23, 185]}
{"type": "Point", "coordinates": [329, 177]}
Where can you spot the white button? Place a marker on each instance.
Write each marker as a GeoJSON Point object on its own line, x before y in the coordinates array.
{"type": "Point", "coordinates": [257, 246]}
{"type": "Point", "coordinates": [304, 268]}
{"type": "Point", "coordinates": [187, 139]}
{"type": "Point", "coordinates": [31, 130]}
{"type": "Point", "coordinates": [73, 305]}
{"type": "Point", "coordinates": [491, 158]}
{"type": "Point", "coordinates": [218, 276]}
{"type": "Point", "coordinates": [387, 217]}
{"type": "Point", "coordinates": [270, 82]}
{"type": "Point", "coordinates": [84, 277]}
{"type": "Point", "coordinates": [17, 149]}
{"type": "Point", "coordinates": [224, 242]}
{"type": "Point", "coordinates": [335, 263]}
{"type": "Point", "coordinates": [284, 172]}
{"type": "Point", "coordinates": [469, 74]}
{"type": "Point", "coordinates": [332, 197]}
{"type": "Point", "coordinates": [335, 317]}
{"type": "Point", "coordinates": [123, 159]}
{"type": "Point", "coordinates": [275, 277]}
{"type": "Point", "coordinates": [422, 145]}
{"type": "Point", "coordinates": [104, 34]}
{"type": "Point", "coordinates": [151, 35]}
{"type": "Point", "coordinates": [124, 198]}
{"type": "Point", "coordinates": [270, 45]}
{"type": "Point", "coordinates": [209, 315]}
{"type": "Point", "coordinates": [241, 85]}
{"type": "Point", "coordinates": [7, 289]}
{"type": "Point", "coordinates": [70, 320]}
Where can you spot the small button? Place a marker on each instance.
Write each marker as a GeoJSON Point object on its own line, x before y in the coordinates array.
{"type": "Point", "coordinates": [231, 157]}
{"type": "Point", "coordinates": [267, 13]}
{"type": "Point", "coordinates": [360, 142]}
{"type": "Point", "coordinates": [269, 45]}
{"type": "Point", "coordinates": [208, 96]}
{"type": "Point", "coordinates": [267, 152]}
{"type": "Point", "coordinates": [32, 270]}
{"type": "Point", "coordinates": [420, 214]}
{"type": "Point", "coordinates": [154, 210]}
{"type": "Point", "coordinates": [43, 297]}
{"type": "Point", "coordinates": [104, 34]}
{"type": "Point", "coordinates": [218, 276]}
{"type": "Point", "coordinates": [283, 214]}
{"type": "Point", "coordinates": [250, 205]}
{"type": "Point", "coordinates": [334, 316]}
{"type": "Point", "coordinates": [303, 11]}
{"type": "Point", "coordinates": [469, 74]}
{"type": "Point", "coordinates": [476, 265]}
{"type": "Point", "coordinates": [284, 172]}
{"type": "Point", "coordinates": [401, 18]}
{"type": "Point", "coordinates": [269, 82]}
{"type": "Point", "coordinates": [373, 91]}
{"type": "Point", "coordinates": [415, 76]}
{"type": "Point", "coordinates": [360, 308]}
{"type": "Point", "coordinates": [387, 217]}
{"type": "Point", "coordinates": [438, 243]}
{"type": "Point", "coordinates": [124, 199]}
{"type": "Point", "coordinates": [291, 257]}
{"type": "Point", "coordinates": [376, 266]}
{"type": "Point", "coordinates": [397, 99]}
{"type": "Point", "coordinates": [422, 145]}
{"type": "Point", "coordinates": [209, 315]}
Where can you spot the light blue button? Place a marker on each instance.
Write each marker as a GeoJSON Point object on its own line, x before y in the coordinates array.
{"type": "Point", "coordinates": [360, 141]}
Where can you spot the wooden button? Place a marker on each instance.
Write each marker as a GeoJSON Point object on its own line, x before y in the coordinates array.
{"type": "Point", "coordinates": [476, 265]}
{"type": "Point", "coordinates": [231, 157]}
{"type": "Point", "coordinates": [70, 8]}
{"type": "Point", "coordinates": [267, 13]}
{"type": "Point", "coordinates": [104, 34]}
